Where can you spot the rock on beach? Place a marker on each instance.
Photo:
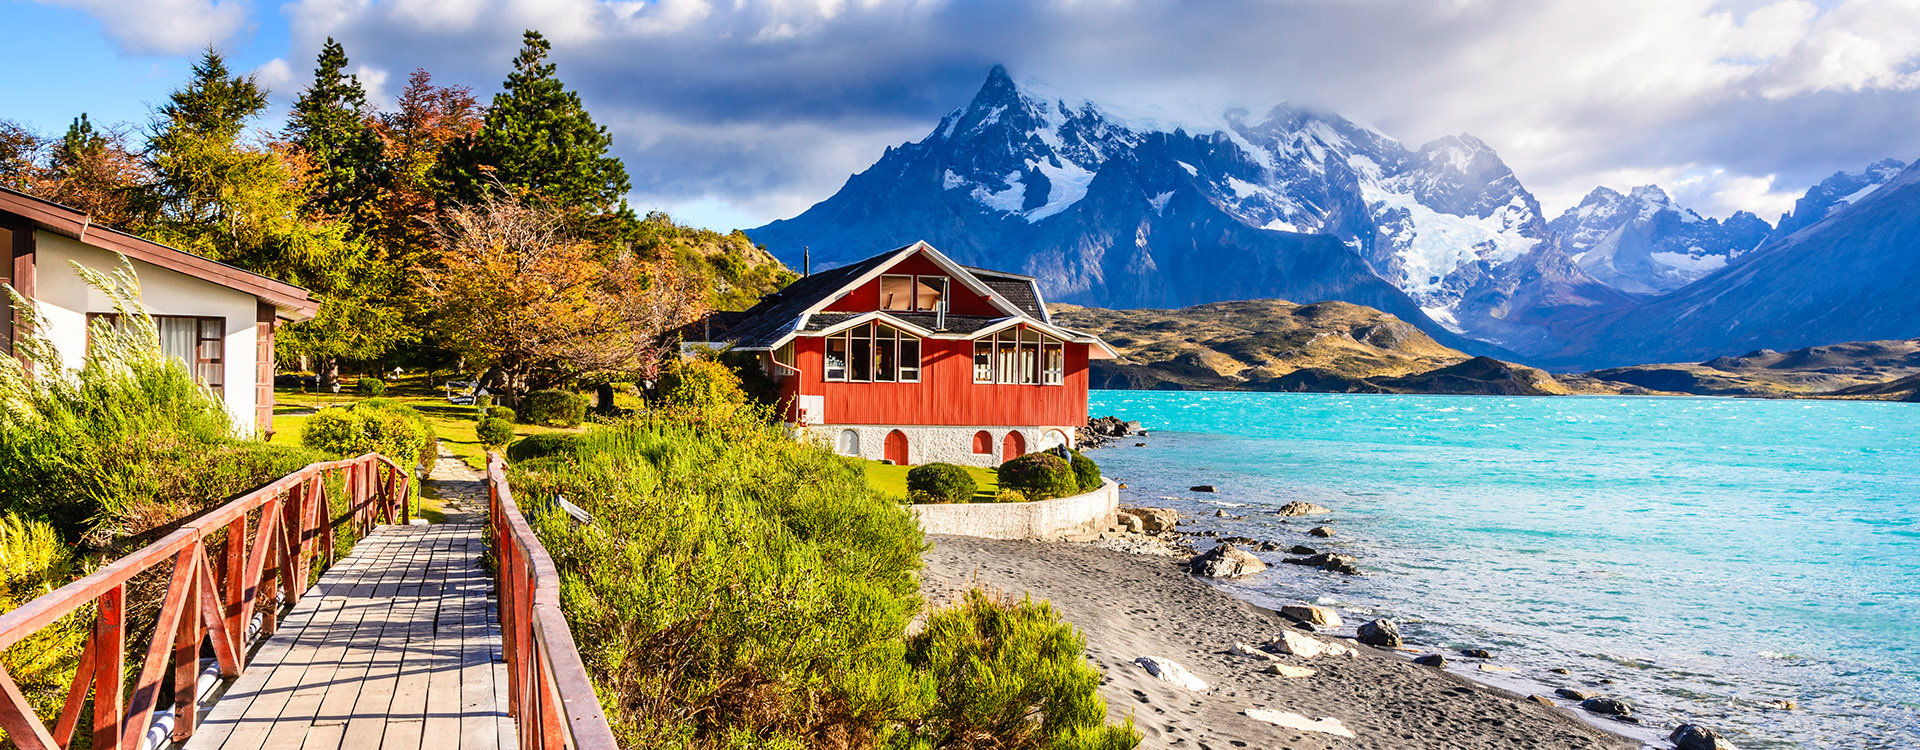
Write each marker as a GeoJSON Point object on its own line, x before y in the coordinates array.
{"type": "Point", "coordinates": [1171, 671]}
{"type": "Point", "coordinates": [1319, 616]}
{"type": "Point", "coordinates": [1696, 737]}
{"type": "Point", "coordinates": [1383, 632]}
{"type": "Point", "coordinates": [1225, 561]}
{"type": "Point", "coordinates": [1297, 508]}
{"type": "Point", "coordinates": [1306, 646]}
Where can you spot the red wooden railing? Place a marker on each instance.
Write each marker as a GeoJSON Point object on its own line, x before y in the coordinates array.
{"type": "Point", "coordinates": [548, 691]}
{"type": "Point", "coordinates": [204, 601]}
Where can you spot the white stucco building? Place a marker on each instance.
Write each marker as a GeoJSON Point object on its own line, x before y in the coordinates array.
{"type": "Point", "coordinates": [219, 319]}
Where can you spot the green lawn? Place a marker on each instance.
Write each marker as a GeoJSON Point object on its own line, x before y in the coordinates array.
{"type": "Point", "coordinates": [454, 424]}
{"type": "Point", "coordinates": [891, 480]}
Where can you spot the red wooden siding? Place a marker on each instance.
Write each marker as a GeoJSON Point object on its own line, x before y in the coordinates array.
{"type": "Point", "coordinates": [946, 393]}
{"type": "Point", "coordinates": [960, 300]}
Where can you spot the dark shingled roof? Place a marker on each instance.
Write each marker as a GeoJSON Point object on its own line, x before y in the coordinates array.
{"type": "Point", "coordinates": [764, 323]}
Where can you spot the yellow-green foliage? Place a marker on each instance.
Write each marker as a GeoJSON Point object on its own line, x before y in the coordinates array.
{"type": "Point", "coordinates": [389, 428]}
{"type": "Point", "coordinates": [738, 272]}
{"type": "Point", "coordinates": [740, 589]}
{"type": "Point", "coordinates": [701, 384]}
{"type": "Point", "coordinates": [127, 441]}
{"type": "Point", "coordinates": [34, 561]}
{"type": "Point", "coordinates": [1009, 675]}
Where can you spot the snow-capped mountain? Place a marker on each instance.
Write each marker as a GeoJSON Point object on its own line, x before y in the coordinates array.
{"type": "Point", "coordinates": [1644, 243]}
{"type": "Point", "coordinates": [1843, 188]}
{"type": "Point", "coordinates": [1117, 209]}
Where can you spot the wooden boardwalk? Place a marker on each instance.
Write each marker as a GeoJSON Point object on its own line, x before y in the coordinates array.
{"type": "Point", "coordinates": [398, 646]}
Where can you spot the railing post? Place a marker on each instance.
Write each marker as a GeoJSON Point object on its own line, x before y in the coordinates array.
{"type": "Point", "coordinates": [109, 676]}
{"type": "Point", "coordinates": [186, 649]}
{"type": "Point", "coordinates": [233, 571]}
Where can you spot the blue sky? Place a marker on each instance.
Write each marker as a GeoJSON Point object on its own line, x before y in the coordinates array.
{"type": "Point", "coordinates": [731, 114]}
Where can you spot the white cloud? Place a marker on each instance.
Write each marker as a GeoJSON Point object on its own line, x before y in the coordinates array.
{"type": "Point", "coordinates": [164, 27]}
{"type": "Point", "coordinates": [763, 106]}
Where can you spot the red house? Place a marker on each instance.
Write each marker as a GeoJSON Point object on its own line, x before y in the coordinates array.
{"type": "Point", "coordinates": [912, 358]}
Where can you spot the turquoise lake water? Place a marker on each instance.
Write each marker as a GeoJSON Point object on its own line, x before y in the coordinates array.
{"type": "Point", "coordinates": [1707, 555]}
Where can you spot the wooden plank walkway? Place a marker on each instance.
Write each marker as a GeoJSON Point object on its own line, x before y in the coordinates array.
{"type": "Point", "coordinates": [397, 646]}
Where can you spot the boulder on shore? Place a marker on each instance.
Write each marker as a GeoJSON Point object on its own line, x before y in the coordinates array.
{"type": "Point", "coordinates": [1203, 488]}
{"type": "Point", "coordinates": [1171, 671]}
{"type": "Point", "coordinates": [1383, 632]}
{"type": "Point", "coordinates": [1303, 645]}
{"type": "Point", "coordinates": [1319, 616]}
{"type": "Point", "coordinates": [1431, 660]}
{"type": "Point", "coordinates": [1575, 695]}
{"type": "Point", "coordinates": [1225, 561]}
{"type": "Point", "coordinates": [1607, 706]}
{"type": "Point", "coordinates": [1696, 737]}
{"type": "Point", "coordinates": [1152, 520]}
{"type": "Point", "coordinates": [1320, 531]}
{"type": "Point", "coordinates": [1477, 653]}
{"type": "Point", "coordinates": [1297, 508]}
{"type": "Point", "coordinates": [1328, 561]}
{"type": "Point", "coordinates": [1301, 549]}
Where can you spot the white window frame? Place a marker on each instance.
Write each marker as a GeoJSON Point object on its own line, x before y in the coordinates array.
{"type": "Point", "coordinates": [1020, 356]}
{"type": "Point", "coordinates": [903, 371]}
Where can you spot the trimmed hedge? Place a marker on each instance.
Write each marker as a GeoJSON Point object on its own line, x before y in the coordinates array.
{"type": "Point", "coordinates": [389, 428]}
{"type": "Point", "coordinates": [1085, 471]}
{"type": "Point", "coordinates": [543, 445]}
{"type": "Point", "coordinates": [370, 387]}
{"type": "Point", "coordinates": [494, 432]}
{"type": "Point", "coordinates": [500, 412]}
{"type": "Point", "coordinates": [553, 408]}
{"type": "Point", "coordinates": [940, 483]}
{"type": "Point", "coordinates": [1039, 476]}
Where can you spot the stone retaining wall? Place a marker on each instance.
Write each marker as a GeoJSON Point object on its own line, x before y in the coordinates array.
{"type": "Point", "coordinates": [1040, 519]}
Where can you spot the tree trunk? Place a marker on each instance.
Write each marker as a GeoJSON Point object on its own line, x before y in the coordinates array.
{"type": "Point", "coordinates": [603, 398]}
{"type": "Point", "coordinates": [330, 375]}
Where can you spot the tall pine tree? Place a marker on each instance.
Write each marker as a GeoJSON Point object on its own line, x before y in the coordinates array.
{"type": "Point", "coordinates": [340, 152]}
{"type": "Point", "coordinates": [537, 138]}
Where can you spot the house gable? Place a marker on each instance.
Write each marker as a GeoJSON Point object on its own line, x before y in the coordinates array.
{"type": "Point", "coordinates": [961, 298]}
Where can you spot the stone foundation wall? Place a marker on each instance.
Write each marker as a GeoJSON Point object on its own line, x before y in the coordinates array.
{"type": "Point", "coordinates": [931, 443]}
{"type": "Point", "coordinates": [1042, 520]}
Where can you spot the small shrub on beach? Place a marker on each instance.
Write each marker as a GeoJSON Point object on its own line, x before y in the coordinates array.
{"type": "Point", "coordinates": [543, 445]}
{"type": "Point", "coordinates": [373, 387]}
{"type": "Point", "coordinates": [1085, 472]}
{"type": "Point", "coordinates": [940, 483]}
{"type": "Point", "coordinates": [500, 412]}
{"type": "Point", "coordinates": [1013, 672]}
{"type": "Point", "coordinates": [494, 432]}
{"type": "Point", "coordinates": [1039, 476]}
{"type": "Point", "coordinates": [1009, 496]}
{"type": "Point", "coordinates": [553, 408]}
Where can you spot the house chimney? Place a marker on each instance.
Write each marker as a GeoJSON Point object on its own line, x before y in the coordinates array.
{"type": "Point", "coordinates": [806, 260]}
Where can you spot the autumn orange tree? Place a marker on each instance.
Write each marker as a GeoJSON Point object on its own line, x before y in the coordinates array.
{"type": "Point", "coordinates": [518, 292]}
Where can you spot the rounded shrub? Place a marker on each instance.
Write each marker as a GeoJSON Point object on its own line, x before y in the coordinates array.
{"type": "Point", "coordinates": [701, 384]}
{"type": "Point", "coordinates": [334, 430]}
{"type": "Point", "coordinates": [501, 412]}
{"type": "Point", "coordinates": [940, 483]}
{"type": "Point", "coordinates": [370, 387]}
{"type": "Point", "coordinates": [389, 428]}
{"type": "Point", "coordinates": [494, 432]}
{"type": "Point", "coordinates": [1009, 496]}
{"type": "Point", "coordinates": [1039, 476]}
{"type": "Point", "coordinates": [482, 401]}
{"type": "Point", "coordinates": [1085, 472]}
{"type": "Point", "coordinates": [553, 408]}
{"type": "Point", "coordinates": [543, 445]}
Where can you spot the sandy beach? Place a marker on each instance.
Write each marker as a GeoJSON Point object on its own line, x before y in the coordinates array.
{"type": "Point", "coordinates": [1129, 606]}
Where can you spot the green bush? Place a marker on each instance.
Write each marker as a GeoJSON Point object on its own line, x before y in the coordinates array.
{"type": "Point", "coordinates": [128, 441]}
{"type": "Point", "coordinates": [1009, 496]}
{"type": "Point", "coordinates": [370, 387]}
{"type": "Point", "coordinates": [1012, 671]}
{"type": "Point", "coordinates": [1085, 472]}
{"type": "Point", "coordinates": [543, 445]}
{"type": "Point", "coordinates": [553, 408]}
{"type": "Point", "coordinates": [482, 401]}
{"type": "Point", "coordinates": [389, 428]}
{"type": "Point", "coordinates": [701, 384]}
{"type": "Point", "coordinates": [940, 483]}
{"type": "Point", "coordinates": [1039, 476]}
{"type": "Point", "coordinates": [500, 412]}
{"type": "Point", "coordinates": [494, 432]}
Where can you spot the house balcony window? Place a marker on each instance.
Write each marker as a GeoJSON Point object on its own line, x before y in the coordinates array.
{"type": "Point", "coordinates": [1020, 357]}
{"type": "Point", "coordinates": [908, 293]}
{"type": "Point", "coordinates": [873, 353]}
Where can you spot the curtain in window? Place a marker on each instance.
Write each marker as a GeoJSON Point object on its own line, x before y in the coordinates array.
{"type": "Point", "coordinates": [179, 338]}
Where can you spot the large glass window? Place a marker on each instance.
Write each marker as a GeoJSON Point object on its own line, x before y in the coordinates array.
{"type": "Point", "coordinates": [873, 352]}
{"type": "Point", "coordinates": [1020, 357]}
{"type": "Point", "coordinates": [199, 342]}
{"type": "Point", "coordinates": [837, 358]}
{"type": "Point", "coordinates": [896, 293]}
{"type": "Point", "coordinates": [929, 291]}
